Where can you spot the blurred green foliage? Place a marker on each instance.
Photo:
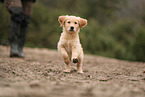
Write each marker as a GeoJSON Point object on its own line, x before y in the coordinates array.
{"type": "Point", "coordinates": [4, 22]}
{"type": "Point", "coordinates": [139, 45]}
{"type": "Point", "coordinates": [111, 31]}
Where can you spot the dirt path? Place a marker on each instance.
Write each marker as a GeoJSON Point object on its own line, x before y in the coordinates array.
{"type": "Point", "coordinates": [40, 74]}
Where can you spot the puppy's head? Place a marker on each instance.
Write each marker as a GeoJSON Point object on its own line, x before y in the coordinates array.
{"type": "Point", "coordinates": [72, 23]}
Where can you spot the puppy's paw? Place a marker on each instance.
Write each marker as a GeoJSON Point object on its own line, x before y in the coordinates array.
{"type": "Point", "coordinates": [75, 60]}
{"type": "Point", "coordinates": [67, 71]}
{"type": "Point", "coordinates": [80, 72]}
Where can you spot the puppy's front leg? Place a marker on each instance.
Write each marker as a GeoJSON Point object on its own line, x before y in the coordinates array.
{"type": "Point", "coordinates": [66, 59]}
{"type": "Point", "coordinates": [75, 53]}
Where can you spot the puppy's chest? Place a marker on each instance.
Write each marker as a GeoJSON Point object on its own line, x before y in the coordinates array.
{"type": "Point", "coordinates": [68, 46]}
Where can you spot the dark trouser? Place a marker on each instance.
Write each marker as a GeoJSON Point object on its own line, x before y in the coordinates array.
{"type": "Point", "coordinates": [20, 11]}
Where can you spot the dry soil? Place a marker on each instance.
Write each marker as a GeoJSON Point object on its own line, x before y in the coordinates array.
{"type": "Point", "coordinates": [40, 74]}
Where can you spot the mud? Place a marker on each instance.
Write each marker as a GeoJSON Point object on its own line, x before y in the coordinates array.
{"type": "Point", "coordinates": [40, 74]}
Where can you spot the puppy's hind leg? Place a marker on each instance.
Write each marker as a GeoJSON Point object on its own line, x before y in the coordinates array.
{"type": "Point", "coordinates": [66, 59]}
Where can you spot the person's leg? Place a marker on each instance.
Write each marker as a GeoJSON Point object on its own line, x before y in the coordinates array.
{"type": "Point", "coordinates": [27, 12]}
{"type": "Point", "coordinates": [16, 16]}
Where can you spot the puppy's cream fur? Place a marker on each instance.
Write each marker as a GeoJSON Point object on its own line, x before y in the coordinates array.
{"type": "Point", "coordinates": [69, 44]}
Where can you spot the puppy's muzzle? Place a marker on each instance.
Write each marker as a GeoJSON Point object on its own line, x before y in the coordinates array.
{"type": "Point", "coordinates": [71, 28]}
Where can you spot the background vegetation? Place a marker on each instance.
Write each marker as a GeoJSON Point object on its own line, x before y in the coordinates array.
{"type": "Point", "coordinates": [116, 28]}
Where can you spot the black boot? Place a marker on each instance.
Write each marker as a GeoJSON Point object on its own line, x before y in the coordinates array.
{"type": "Point", "coordinates": [21, 42]}
{"type": "Point", "coordinates": [22, 35]}
{"type": "Point", "coordinates": [14, 33]}
{"type": "Point", "coordinates": [17, 18]}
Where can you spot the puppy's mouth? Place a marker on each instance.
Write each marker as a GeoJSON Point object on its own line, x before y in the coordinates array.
{"type": "Point", "coordinates": [71, 30]}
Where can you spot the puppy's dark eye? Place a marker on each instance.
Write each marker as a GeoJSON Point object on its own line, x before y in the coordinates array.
{"type": "Point", "coordinates": [68, 22]}
{"type": "Point", "coordinates": [75, 22]}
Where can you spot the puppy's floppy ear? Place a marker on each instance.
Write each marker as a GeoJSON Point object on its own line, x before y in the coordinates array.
{"type": "Point", "coordinates": [61, 20]}
{"type": "Point", "coordinates": [82, 22]}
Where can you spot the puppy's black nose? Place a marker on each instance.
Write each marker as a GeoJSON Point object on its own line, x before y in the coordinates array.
{"type": "Point", "coordinates": [72, 28]}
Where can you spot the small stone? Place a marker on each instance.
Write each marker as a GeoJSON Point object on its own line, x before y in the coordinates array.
{"type": "Point", "coordinates": [89, 76]}
{"type": "Point", "coordinates": [52, 78]}
{"type": "Point", "coordinates": [45, 74]}
{"type": "Point", "coordinates": [143, 79]}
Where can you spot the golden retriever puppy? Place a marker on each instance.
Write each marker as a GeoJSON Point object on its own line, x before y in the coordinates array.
{"type": "Point", "coordinates": [69, 44]}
